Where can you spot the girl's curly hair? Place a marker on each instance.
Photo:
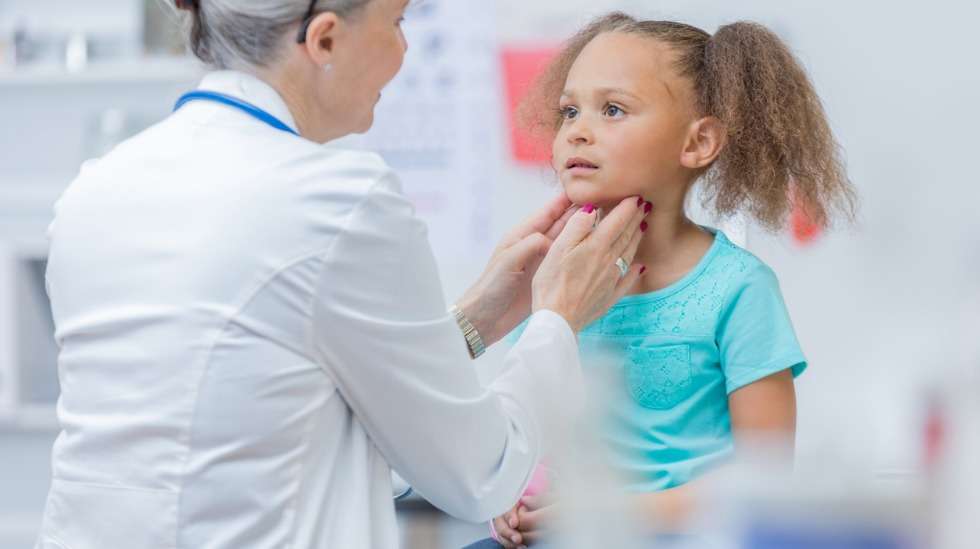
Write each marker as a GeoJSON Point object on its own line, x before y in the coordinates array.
{"type": "Point", "coordinates": [780, 150]}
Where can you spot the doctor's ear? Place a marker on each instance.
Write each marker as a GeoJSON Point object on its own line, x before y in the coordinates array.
{"type": "Point", "coordinates": [322, 35]}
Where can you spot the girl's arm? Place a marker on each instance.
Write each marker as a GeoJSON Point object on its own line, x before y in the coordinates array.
{"type": "Point", "coordinates": [763, 410]}
{"type": "Point", "coordinates": [766, 408]}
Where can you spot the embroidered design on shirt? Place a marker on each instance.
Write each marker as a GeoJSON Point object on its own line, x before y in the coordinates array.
{"type": "Point", "coordinates": [659, 377]}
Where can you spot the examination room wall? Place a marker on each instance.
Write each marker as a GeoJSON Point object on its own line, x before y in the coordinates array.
{"type": "Point", "coordinates": [886, 310]}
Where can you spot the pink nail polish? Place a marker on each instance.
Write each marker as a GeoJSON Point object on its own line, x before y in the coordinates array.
{"type": "Point", "coordinates": [588, 208]}
{"type": "Point", "coordinates": [643, 269]}
{"type": "Point", "coordinates": [647, 208]}
{"type": "Point", "coordinates": [639, 202]}
{"type": "Point", "coordinates": [643, 226]}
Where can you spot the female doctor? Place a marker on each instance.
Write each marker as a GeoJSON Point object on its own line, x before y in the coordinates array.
{"type": "Point", "coordinates": [252, 328]}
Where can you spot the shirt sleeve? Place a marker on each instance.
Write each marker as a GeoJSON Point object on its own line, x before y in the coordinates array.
{"type": "Point", "coordinates": [382, 332]}
{"type": "Point", "coordinates": [755, 336]}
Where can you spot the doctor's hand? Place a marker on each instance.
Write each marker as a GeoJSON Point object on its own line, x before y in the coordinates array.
{"type": "Point", "coordinates": [579, 278]}
{"type": "Point", "coordinates": [501, 298]}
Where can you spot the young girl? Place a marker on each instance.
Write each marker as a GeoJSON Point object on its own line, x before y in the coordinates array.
{"type": "Point", "coordinates": [704, 352]}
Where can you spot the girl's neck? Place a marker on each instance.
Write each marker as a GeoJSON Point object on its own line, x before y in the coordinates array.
{"type": "Point", "coordinates": [671, 246]}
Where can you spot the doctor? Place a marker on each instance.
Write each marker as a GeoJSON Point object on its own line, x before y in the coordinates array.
{"type": "Point", "coordinates": [252, 328]}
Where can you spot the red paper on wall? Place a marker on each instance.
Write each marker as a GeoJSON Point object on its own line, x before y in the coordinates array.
{"type": "Point", "coordinates": [521, 67]}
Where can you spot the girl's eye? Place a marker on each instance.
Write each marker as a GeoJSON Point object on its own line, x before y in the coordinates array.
{"type": "Point", "coordinates": [568, 113]}
{"type": "Point", "coordinates": [614, 111]}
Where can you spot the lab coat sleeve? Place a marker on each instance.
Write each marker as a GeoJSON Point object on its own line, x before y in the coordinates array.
{"type": "Point", "coordinates": [382, 333]}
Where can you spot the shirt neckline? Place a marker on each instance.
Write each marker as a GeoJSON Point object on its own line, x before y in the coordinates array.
{"type": "Point", "coordinates": [691, 276]}
{"type": "Point", "coordinates": [251, 89]}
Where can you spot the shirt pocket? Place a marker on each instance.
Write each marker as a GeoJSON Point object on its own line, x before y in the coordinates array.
{"type": "Point", "coordinates": [659, 377]}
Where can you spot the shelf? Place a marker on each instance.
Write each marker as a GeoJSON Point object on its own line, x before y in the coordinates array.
{"type": "Point", "coordinates": [29, 419]}
{"type": "Point", "coordinates": [139, 71]}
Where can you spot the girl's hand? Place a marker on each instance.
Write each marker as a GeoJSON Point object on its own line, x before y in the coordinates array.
{"type": "Point", "coordinates": [535, 514]}
{"type": "Point", "coordinates": [506, 527]}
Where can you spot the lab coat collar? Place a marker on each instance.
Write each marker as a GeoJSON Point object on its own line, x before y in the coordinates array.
{"type": "Point", "coordinates": [251, 89]}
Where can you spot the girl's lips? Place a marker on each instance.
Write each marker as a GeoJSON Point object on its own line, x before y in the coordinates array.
{"type": "Point", "coordinates": [576, 162]}
{"type": "Point", "coordinates": [580, 167]}
{"type": "Point", "coordinates": [581, 170]}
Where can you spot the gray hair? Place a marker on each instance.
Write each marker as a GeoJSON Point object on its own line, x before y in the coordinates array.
{"type": "Point", "coordinates": [248, 34]}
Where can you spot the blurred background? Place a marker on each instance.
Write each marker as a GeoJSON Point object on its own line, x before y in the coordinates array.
{"type": "Point", "coordinates": [886, 309]}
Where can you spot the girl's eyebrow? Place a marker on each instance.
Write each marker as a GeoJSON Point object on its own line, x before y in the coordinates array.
{"type": "Point", "coordinates": [606, 91]}
{"type": "Point", "coordinates": [617, 91]}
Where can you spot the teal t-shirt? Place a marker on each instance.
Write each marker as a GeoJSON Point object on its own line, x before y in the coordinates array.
{"type": "Point", "coordinates": [666, 362]}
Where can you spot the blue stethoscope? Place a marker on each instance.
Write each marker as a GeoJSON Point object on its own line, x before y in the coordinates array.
{"type": "Point", "coordinates": [262, 116]}
{"type": "Point", "coordinates": [235, 103]}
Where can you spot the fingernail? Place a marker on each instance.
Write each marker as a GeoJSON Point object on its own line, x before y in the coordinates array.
{"type": "Point", "coordinates": [515, 539]}
{"type": "Point", "coordinates": [588, 208]}
{"type": "Point", "coordinates": [643, 226]}
{"type": "Point", "coordinates": [639, 202]}
{"type": "Point", "coordinates": [643, 269]}
{"type": "Point", "coordinates": [647, 208]}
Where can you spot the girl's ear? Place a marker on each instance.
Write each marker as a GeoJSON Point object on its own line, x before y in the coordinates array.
{"type": "Point", "coordinates": [705, 140]}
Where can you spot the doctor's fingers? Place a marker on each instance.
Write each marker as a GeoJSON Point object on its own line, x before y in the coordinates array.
{"type": "Point", "coordinates": [622, 220]}
{"type": "Point", "coordinates": [558, 226]}
{"type": "Point", "coordinates": [543, 220]}
{"type": "Point", "coordinates": [577, 228]}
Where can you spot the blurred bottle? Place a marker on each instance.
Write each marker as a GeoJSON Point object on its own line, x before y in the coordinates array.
{"type": "Point", "coordinates": [594, 510]}
{"type": "Point", "coordinates": [956, 475]}
{"type": "Point", "coordinates": [934, 432]}
{"type": "Point", "coordinates": [766, 500]}
{"type": "Point", "coordinates": [76, 52]}
{"type": "Point", "coordinates": [6, 41]}
{"type": "Point", "coordinates": [22, 48]}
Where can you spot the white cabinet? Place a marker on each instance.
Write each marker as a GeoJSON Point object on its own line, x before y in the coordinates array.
{"type": "Point", "coordinates": [28, 354]}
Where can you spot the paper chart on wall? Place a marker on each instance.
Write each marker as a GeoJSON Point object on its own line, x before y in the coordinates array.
{"type": "Point", "coordinates": [437, 124]}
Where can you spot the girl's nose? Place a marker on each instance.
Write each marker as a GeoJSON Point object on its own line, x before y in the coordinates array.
{"type": "Point", "coordinates": [580, 134]}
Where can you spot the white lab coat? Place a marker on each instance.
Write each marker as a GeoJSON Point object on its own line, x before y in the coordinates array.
{"type": "Point", "coordinates": [253, 333]}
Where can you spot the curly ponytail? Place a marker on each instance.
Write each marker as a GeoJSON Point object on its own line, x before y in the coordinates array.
{"type": "Point", "coordinates": [780, 147]}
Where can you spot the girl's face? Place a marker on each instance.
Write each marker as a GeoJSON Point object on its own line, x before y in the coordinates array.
{"type": "Point", "coordinates": [625, 116]}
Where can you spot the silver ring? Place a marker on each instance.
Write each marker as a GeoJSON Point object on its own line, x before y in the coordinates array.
{"type": "Point", "coordinates": [623, 267]}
